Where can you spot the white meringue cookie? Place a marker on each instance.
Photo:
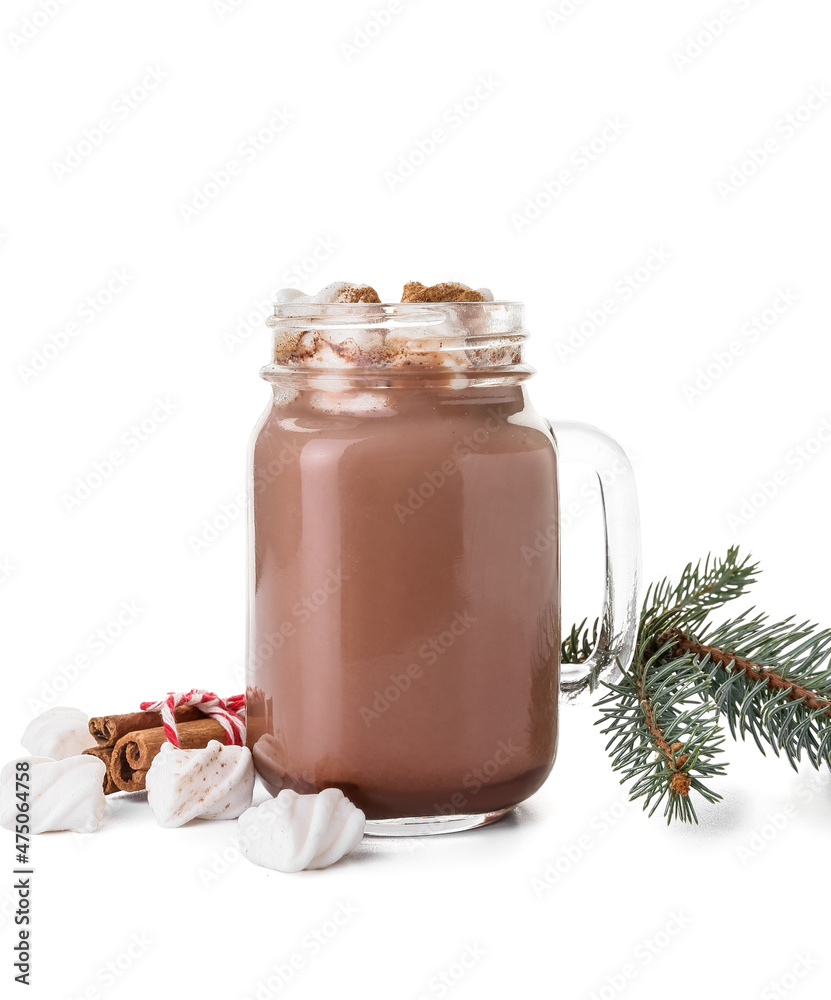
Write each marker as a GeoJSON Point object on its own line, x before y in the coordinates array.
{"type": "Point", "coordinates": [57, 733]}
{"type": "Point", "coordinates": [292, 832]}
{"type": "Point", "coordinates": [285, 295]}
{"type": "Point", "coordinates": [62, 794]}
{"type": "Point", "coordinates": [338, 291]}
{"type": "Point", "coordinates": [214, 782]}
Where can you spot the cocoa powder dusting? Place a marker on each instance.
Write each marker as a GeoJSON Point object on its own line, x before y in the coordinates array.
{"type": "Point", "coordinates": [446, 291]}
{"type": "Point", "coordinates": [360, 293]}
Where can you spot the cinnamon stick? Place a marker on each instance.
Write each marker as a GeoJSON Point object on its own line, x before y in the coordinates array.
{"type": "Point", "coordinates": [134, 752]}
{"type": "Point", "coordinates": [105, 754]}
{"type": "Point", "coordinates": [107, 730]}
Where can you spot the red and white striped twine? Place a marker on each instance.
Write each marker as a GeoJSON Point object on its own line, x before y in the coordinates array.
{"type": "Point", "coordinates": [228, 712]}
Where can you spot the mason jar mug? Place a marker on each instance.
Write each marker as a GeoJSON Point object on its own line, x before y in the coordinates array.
{"type": "Point", "coordinates": [404, 620]}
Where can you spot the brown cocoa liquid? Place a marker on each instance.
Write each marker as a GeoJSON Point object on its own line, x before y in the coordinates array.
{"type": "Point", "coordinates": [404, 629]}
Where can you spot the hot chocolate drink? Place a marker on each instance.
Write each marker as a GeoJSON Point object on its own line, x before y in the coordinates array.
{"type": "Point", "coordinates": [402, 647]}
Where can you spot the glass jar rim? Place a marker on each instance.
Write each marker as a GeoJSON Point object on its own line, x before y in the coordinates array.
{"type": "Point", "coordinates": [360, 311]}
{"type": "Point", "coordinates": [466, 338]}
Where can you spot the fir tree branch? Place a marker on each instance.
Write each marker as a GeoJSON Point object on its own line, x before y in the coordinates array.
{"type": "Point", "coordinates": [663, 733]}
{"type": "Point", "coordinates": [662, 703]}
{"type": "Point", "coordinates": [769, 679]}
{"type": "Point", "coordinates": [778, 689]}
{"type": "Point", "coordinates": [578, 644]}
{"type": "Point", "coordinates": [699, 590]}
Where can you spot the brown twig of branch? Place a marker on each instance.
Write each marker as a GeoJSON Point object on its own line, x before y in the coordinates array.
{"type": "Point", "coordinates": [680, 780]}
{"type": "Point", "coordinates": [756, 672]}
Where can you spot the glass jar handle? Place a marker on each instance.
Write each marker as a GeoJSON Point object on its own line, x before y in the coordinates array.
{"type": "Point", "coordinates": [618, 629]}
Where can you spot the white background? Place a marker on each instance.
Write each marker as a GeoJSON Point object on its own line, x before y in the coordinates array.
{"type": "Point", "coordinates": [745, 887]}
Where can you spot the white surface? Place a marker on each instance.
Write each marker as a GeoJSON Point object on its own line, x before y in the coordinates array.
{"type": "Point", "coordinates": [129, 557]}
